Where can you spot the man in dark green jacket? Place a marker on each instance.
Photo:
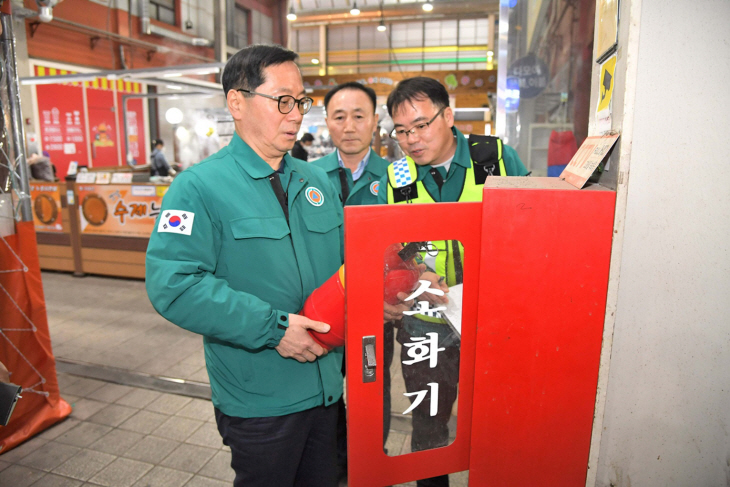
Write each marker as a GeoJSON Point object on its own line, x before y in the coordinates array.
{"type": "Point", "coordinates": [242, 239]}
{"type": "Point", "coordinates": [354, 168]}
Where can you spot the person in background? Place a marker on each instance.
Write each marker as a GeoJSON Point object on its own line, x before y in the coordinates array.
{"type": "Point", "coordinates": [355, 170]}
{"type": "Point", "coordinates": [159, 165]}
{"type": "Point", "coordinates": [41, 167]}
{"type": "Point", "coordinates": [299, 150]}
{"type": "Point", "coordinates": [243, 238]}
{"type": "Point", "coordinates": [438, 167]}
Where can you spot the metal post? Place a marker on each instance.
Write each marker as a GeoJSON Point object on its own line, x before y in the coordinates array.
{"type": "Point", "coordinates": [16, 116]}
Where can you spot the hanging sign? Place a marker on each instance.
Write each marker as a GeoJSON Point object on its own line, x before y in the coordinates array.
{"type": "Point", "coordinates": [532, 74]}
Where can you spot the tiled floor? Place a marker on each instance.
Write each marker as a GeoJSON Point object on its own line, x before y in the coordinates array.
{"type": "Point", "coordinates": [120, 435]}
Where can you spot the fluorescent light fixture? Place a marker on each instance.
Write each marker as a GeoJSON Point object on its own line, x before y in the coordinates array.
{"type": "Point", "coordinates": [171, 75]}
{"type": "Point", "coordinates": [292, 15]}
{"type": "Point", "coordinates": [173, 87]}
{"type": "Point", "coordinates": [354, 10]}
{"type": "Point", "coordinates": [427, 6]}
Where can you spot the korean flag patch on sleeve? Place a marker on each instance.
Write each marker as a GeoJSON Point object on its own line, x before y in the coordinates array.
{"type": "Point", "coordinates": [176, 221]}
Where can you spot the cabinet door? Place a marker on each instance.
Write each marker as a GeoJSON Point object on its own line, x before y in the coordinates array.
{"type": "Point", "coordinates": [408, 381]}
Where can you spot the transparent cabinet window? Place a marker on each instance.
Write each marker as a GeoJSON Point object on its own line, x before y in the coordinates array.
{"type": "Point", "coordinates": [422, 344]}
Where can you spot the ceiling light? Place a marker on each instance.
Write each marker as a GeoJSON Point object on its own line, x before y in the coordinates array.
{"type": "Point", "coordinates": [174, 115]}
{"type": "Point", "coordinates": [291, 16]}
{"type": "Point", "coordinates": [173, 87]}
{"type": "Point", "coordinates": [428, 6]}
{"type": "Point", "coordinates": [171, 75]}
{"type": "Point", "coordinates": [381, 26]}
{"type": "Point", "coordinates": [354, 10]}
{"type": "Point", "coordinates": [315, 61]}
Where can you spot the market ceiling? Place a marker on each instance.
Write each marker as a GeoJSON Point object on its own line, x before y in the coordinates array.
{"type": "Point", "coordinates": [313, 12]}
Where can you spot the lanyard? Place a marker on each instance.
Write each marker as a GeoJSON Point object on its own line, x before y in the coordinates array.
{"type": "Point", "coordinates": [345, 186]}
{"type": "Point", "coordinates": [281, 195]}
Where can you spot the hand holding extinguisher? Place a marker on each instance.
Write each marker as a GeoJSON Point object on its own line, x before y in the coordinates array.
{"type": "Point", "coordinates": [327, 302]}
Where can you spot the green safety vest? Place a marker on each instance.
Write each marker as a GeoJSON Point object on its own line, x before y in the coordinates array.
{"type": "Point", "coordinates": [404, 187]}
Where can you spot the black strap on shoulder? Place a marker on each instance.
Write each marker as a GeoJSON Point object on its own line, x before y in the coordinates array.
{"type": "Point", "coordinates": [484, 151]}
{"type": "Point", "coordinates": [281, 195]}
{"type": "Point", "coordinates": [345, 186]}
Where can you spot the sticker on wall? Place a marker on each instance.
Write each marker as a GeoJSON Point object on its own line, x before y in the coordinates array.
{"type": "Point", "coordinates": [451, 82]}
{"type": "Point", "coordinates": [605, 93]}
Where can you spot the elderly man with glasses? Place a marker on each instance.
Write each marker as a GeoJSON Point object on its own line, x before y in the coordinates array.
{"type": "Point", "coordinates": [441, 165]}
{"type": "Point", "coordinates": [241, 241]}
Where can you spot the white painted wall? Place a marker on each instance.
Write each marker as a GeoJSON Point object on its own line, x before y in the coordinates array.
{"type": "Point", "coordinates": [667, 408]}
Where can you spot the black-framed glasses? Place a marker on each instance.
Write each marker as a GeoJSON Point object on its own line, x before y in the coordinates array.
{"type": "Point", "coordinates": [402, 134]}
{"type": "Point", "coordinates": [286, 102]}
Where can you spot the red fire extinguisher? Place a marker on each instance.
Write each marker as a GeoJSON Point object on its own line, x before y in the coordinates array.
{"type": "Point", "coordinates": [327, 302]}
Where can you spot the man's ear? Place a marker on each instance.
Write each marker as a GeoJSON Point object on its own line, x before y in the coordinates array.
{"type": "Point", "coordinates": [235, 104]}
{"type": "Point", "coordinates": [449, 116]}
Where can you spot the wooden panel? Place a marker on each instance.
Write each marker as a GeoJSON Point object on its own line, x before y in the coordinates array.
{"type": "Point", "coordinates": [48, 238]}
{"type": "Point", "coordinates": [112, 256]}
{"type": "Point", "coordinates": [114, 269]}
{"type": "Point", "coordinates": [471, 127]}
{"type": "Point", "coordinates": [55, 251]}
{"type": "Point", "coordinates": [471, 100]}
{"type": "Point", "coordinates": [114, 243]}
{"type": "Point", "coordinates": [56, 263]}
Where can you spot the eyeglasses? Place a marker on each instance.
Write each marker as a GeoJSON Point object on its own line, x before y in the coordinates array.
{"type": "Point", "coordinates": [402, 134]}
{"type": "Point", "coordinates": [286, 102]}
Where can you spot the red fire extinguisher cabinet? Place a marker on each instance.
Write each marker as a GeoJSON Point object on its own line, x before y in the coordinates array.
{"type": "Point", "coordinates": [537, 254]}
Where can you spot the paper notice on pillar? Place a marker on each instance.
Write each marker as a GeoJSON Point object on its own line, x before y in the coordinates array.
{"type": "Point", "coordinates": [586, 160]}
{"type": "Point", "coordinates": [603, 121]}
{"type": "Point", "coordinates": [69, 148]}
{"type": "Point", "coordinates": [606, 84]}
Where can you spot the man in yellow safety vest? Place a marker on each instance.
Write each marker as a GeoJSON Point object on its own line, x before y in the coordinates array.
{"type": "Point", "coordinates": [441, 165]}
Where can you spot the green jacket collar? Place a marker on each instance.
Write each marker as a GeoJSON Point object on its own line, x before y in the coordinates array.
{"type": "Point", "coordinates": [251, 162]}
{"type": "Point", "coordinates": [377, 166]}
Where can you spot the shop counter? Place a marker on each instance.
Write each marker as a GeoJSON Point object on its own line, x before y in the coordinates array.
{"type": "Point", "coordinates": [104, 228]}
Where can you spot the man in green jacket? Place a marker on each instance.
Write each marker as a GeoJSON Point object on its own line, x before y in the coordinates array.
{"type": "Point", "coordinates": [354, 168]}
{"type": "Point", "coordinates": [242, 239]}
{"type": "Point", "coordinates": [438, 168]}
